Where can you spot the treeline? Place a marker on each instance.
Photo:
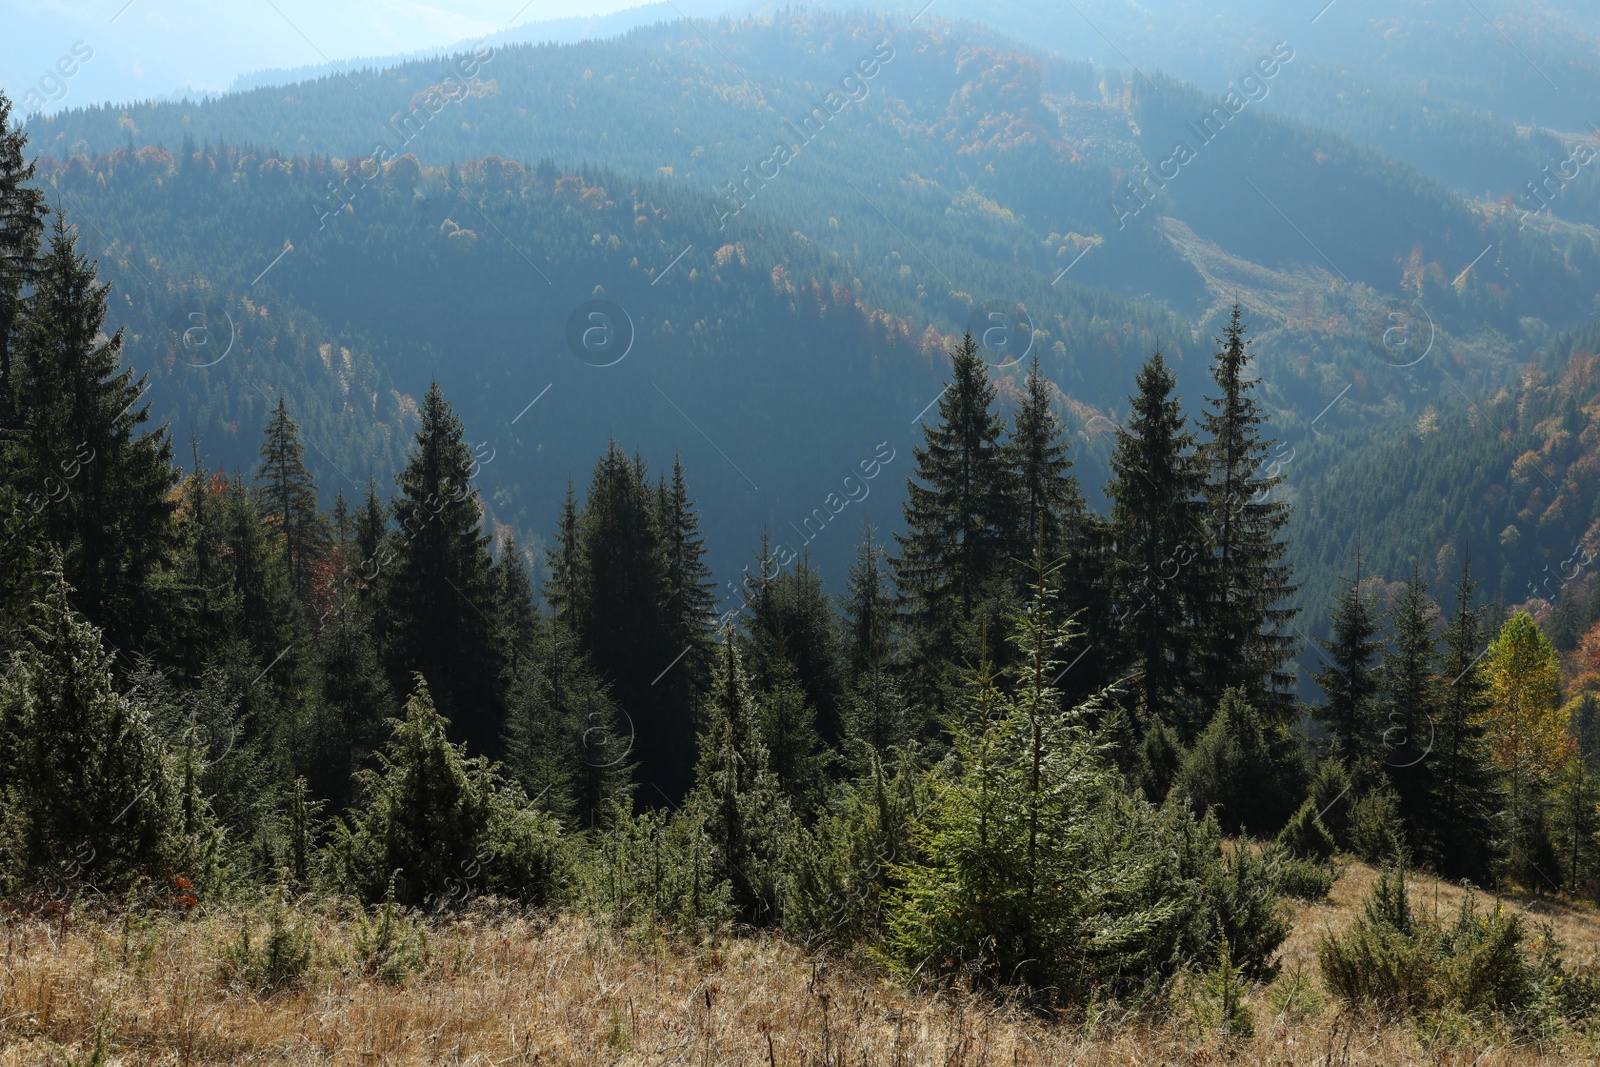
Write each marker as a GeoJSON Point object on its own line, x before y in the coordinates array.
{"type": "Point", "coordinates": [1012, 752]}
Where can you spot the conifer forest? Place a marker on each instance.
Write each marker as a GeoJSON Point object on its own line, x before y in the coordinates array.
{"type": "Point", "coordinates": [749, 534]}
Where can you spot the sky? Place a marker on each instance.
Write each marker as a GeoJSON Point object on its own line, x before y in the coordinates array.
{"type": "Point", "coordinates": [152, 48]}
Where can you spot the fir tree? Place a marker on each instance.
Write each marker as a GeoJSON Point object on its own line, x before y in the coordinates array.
{"type": "Point", "coordinates": [1408, 700]}
{"type": "Point", "coordinates": [1156, 537]}
{"type": "Point", "coordinates": [868, 610]}
{"type": "Point", "coordinates": [440, 591]}
{"type": "Point", "coordinates": [77, 413]}
{"type": "Point", "coordinates": [691, 589]}
{"type": "Point", "coordinates": [622, 623]}
{"type": "Point", "coordinates": [1464, 790]}
{"type": "Point", "coordinates": [1048, 512]}
{"type": "Point", "coordinates": [954, 549]}
{"type": "Point", "coordinates": [1247, 582]}
{"type": "Point", "coordinates": [288, 498]}
{"type": "Point", "coordinates": [747, 816]}
{"type": "Point", "coordinates": [561, 590]}
{"type": "Point", "coordinates": [22, 213]}
{"type": "Point", "coordinates": [1349, 678]}
{"type": "Point", "coordinates": [81, 773]}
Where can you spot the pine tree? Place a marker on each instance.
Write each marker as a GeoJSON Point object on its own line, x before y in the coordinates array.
{"type": "Point", "coordinates": [1247, 583]}
{"type": "Point", "coordinates": [1349, 678]}
{"type": "Point", "coordinates": [22, 213]}
{"type": "Point", "coordinates": [1408, 702]}
{"type": "Point", "coordinates": [953, 551]}
{"type": "Point", "coordinates": [77, 415]}
{"type": "Point", "coordinates": [440, 591]}
{"type": "Point", "coordinates": [288, 499]}
{"type": "Point", "coordinates": [1464, 796]}
{"type": "Point", "coordinates": [1157, 540]}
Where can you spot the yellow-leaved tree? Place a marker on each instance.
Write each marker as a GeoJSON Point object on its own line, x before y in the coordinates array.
{"type": "Point", "coordinates": [1526, 726]}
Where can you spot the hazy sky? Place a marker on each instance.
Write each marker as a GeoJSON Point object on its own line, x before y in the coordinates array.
{"type": "Point", "coordinates": [153, 47]}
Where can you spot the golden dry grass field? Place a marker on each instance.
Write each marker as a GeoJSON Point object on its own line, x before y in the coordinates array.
{"type": "Point", "coordinates": [505, 988]}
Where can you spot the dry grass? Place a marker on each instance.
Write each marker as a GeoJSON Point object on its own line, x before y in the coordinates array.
{"type": "Point", "coordinates": [504, 988]}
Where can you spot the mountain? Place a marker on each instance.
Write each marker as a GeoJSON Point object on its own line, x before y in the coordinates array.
{"type": "Point", "coordinates": [798, 210]}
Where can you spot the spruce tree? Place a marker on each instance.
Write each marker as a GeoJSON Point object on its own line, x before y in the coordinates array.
{"type": "Point", "coordinates": [288, 500]}
{"type": "Point", "coordinates": [435, 827]}
{"type": "Point", "coordinates": [78, 414]}
{"type": "Point", "coordinates": [371, 538]}
{"type": "Point", "coordinates": [954, 549]}
{"type": "Point", "coordinates": [1048, 511]}
{"type": "Point", "coordinates": [562, 563]}
{"type": "Point", "coordinates": [81, 772]}
{"type": "Point", "coordinates": [1157, 541]}
{"type": "Point", "coordinates": [691, 588]}
{"type": "Point", "coordinates": [689, 603]}
{"type": "Point", "coordinates": [793, 637]}
{"type": "Point", "coordinates": [22, 213]}
{"type": "Point", "coordinates": [1349, 678]}
{"type": "Point", "coordinates": [1243, 768]}
{"type": "Point", "coordinates": [440, 591]}
{"type": "Point", "coordinates": [622, 622]}
{"type": "Point", "coordinates": [868, 611]}
{"type": "Point", "coordinates": [794, 748]}
{"type": "Point", "coordinates": [1248, 582]}
{"type": "Point", "coordinates": [1408, 702]}
{"type": "Point", "coordinates": [1464, 796]}
{"type": "Point", "coordinates": [747, 815]}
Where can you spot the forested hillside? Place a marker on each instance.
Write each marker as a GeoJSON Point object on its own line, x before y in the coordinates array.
{"type": "Point", "coordinates": [1083, 548]}
{"type": "Point", "coordinates": [926, 242]}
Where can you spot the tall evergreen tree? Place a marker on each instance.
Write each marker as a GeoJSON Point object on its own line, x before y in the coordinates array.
{"type": "Point", "coordinates": [77, 414]}
{"type": "Point", "coordinates": [793, 638]}
{"type": "Point", "coordinates": [1408, 704]}
{"type": "Point", "coordinates": [1465, 798]}
{"type": "Point", "coordinates": [371, 536]}
{"type": "Point", "coordinates": [1247, 582]}
{"type": "Point", "coordinates": [1157, 537]}
{"type": "Point", "coordinates": [22, 213]}
{"type": "Point", "coordinates": [954, 549]}
{"type": "Point", "coordinates": [441, 592]}
{"type": "Point", "coordinates": [747, 814]}
{"type": "Point", "coordinates": [691, 593]}
{"type": "Point", "coordinates": [624, 627]}
{"type": "Point", "coordinates": [288, 500]}
{"type": "Point", "coordinates": [562, 563]}
{"type": "Point", "coordinates": [1048, 512]}
{"type": "Point", "coordinates": [1349, 677]}
{"type": "Point", "coordinates": [868, 610]}
{"type": "Point", "coordinates": [81, 773]}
